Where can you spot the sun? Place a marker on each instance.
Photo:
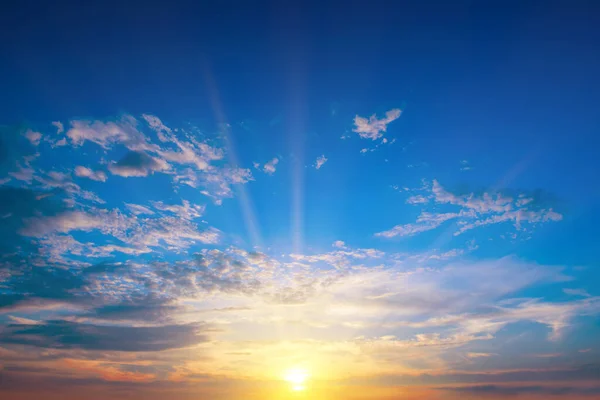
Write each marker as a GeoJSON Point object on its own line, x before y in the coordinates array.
{"type": "Point", "coordinates": [296, 377]}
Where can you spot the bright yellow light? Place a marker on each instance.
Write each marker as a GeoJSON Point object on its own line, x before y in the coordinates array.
{"type": "Point", "coordinates": [297, 378]}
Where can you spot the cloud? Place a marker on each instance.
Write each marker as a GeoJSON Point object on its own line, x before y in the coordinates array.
{"type": "Point", "coordinates": [103, 220]}
{"type": "Point", "coordinates": [140, 233]}
{"type": "Point", "coordinates": [84, 172]}
{"type": "Point", "coordinates": [425, 222]}
{"type": "Point", "coordinates": [417, 199]}
{"type": "Point", "coordinates": [107, 134]}
{"type": "Point", "coordinates": [374, 128]}
{"type": "Point", "coordinates": [464, 165]}
{"type": "Point", "coordinates": [511, 390]}
{"type": "Point", "coordinates": [186, 210]}
{"type": "Point", "coordinates": [156, 124]}
{"type": "Point", "coordinates": [137, 209]}
{"type": "Point", "coordinates": [320, 161]}
{"type": "Point", "coordinates": [576, 292]}
{"type": "Point", "coordinates": [24, 173]}
{"type": "Point", "coordinates": [339, 244]}
{"type": "Point", "coordinates": [59, 127]}
{"type": "Point", "coordinates": [33, 137]}
{"type": "Point", "coordinates": [269, 167]}
{"type": "Point", "coordinates": [479, 355]}
{"type": "Point", "coordinates": [150, 308]}
{"type": "Point", "coordinates": [60, 334]}
{"type": "Point", "coordinates": [473, 211]}
{"type": "Point", "coordinates": [137, 164]}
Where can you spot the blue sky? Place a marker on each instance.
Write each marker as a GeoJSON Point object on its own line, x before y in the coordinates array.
{"type": "Point", "coordinates": [231, 181]}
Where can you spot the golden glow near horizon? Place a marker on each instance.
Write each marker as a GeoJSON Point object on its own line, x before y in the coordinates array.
{"type": "Point", "coordinates": [296, 377]}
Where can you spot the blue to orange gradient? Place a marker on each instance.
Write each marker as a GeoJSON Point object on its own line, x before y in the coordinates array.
{"type": "Point", "coordinates": [296, 200]}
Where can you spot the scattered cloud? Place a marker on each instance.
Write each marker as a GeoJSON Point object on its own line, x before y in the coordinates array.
{"type": "Point", "coordinates": [59, 127]}
{"type": "Point", "coordinates": [137, 164]}
{"type": "Point", "coordinates": [339, 244]}
{"type": "Point", "coordinates": [142, 288]}
{"type": "Point", "coordinates": [33, 137]}
{"type": "Point", "coordinates": [320, 161]}
{"type": "Point", "coordinates": [269, 167]}
{"type": "Point", "coordinates": [137, 209]}
{"type": "Point", "coordinates": [156, 124]}
{"type": "Point", "coordinates": [576, 292]}
{"type": "Point", "coordinates": [84, 172]}
{"type": "Point", "coordinates": [374, 128]}
{"type": "Point", "coordinates": [417, 199]}
{"type": "Point", "coordinates": [474, 211]}
{"type": "Point", "coordinates": [465, 166]}
{"type": "Point", "coordinates": [185, 211]}
{"type": "Point", "coordinates": [107, 134]}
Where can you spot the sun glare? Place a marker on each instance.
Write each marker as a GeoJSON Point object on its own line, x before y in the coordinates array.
{"type": "Point", "coordinates": [296, 377]}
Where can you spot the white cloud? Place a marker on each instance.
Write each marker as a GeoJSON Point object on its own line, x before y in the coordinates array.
{"type": "Point", "coordinates": [33, 137]}
{"type": "Point", "coordinates": [417, 199]}
{"type": "Point", "coordinates": [474, 211]}
{"type": "Point", "coordinates": [576, 292]}
{"type": "Point", "coordinates": [339, 244]}
{"type": "Point", "coordinates": [373, 128]}
{"type": "Point", "coordinates": [174, 233]}
{"type": "Point", "coordinates": [109, 222]}
{"type": "Point", "coordinates": [425, 222]}
{"type": "Point", "coordinates": [186, 210]}
{"type": "Point", "coordinates": [320, 161]}
{"type": "Point", "coordinates": [84, 172]}
{"type": "Point", "coordinates": [24, 173]}
{"type": "Point", "coordinates": [191, 152]}
{"type": "Point", "coordinates": [137, 209]}
{"type": "Point", "coordinates": [269, 167]}
{"type": "Point", "coordinates": [59, 127]}
{"type": "Point", "coordinates": [156, 124]}
{"type": "Point", "coordinates": [108, 134]}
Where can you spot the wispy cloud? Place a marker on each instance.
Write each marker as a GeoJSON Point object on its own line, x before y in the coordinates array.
{"type": "Point", "coordinates": [59, 127]}
{"type": "Point", "coordinates": [320, 161]}
{"type": "Point", "coordinates": [465, 166]}
{"type": "Point", "coordinates": [269, 167]}
{"type": "Point", "coordinates": [85, 172]}
{"type": "Point", "coordinates": [576, 292]}
{"type": "Point", "coordinates": [33, 137]}
{"type": "Point", "coordinates": [373, 128]}
{"type": "Point", "coordinates": [473, 211]}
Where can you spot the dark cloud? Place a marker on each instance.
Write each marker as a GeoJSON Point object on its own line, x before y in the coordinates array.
{"type": "Point", "coordinates": [61, 334]}
{"type": "Point", "coordinates": [29, 278]}
{"type": "Point", "coordinates": [13, 145]}
{"type": "Point", "coordinates": [137, 163]}
{"type": "Point", "coordinates": [586, 372]}
{"type": "Point", "coordinates": [503, 390]}
{"type": "Point", "coordinates": [32, 285]}
{"type": "Point", "coordinates": [17, 204]}
{"type": "Point", "coordinates": [146, 308]}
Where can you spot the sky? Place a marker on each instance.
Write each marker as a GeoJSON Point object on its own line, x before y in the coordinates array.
{"type": "Point", "coordinates": [299, 200]}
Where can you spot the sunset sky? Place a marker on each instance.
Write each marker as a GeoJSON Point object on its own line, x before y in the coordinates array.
{"type": "Point", "coordinates": [279, 200]}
